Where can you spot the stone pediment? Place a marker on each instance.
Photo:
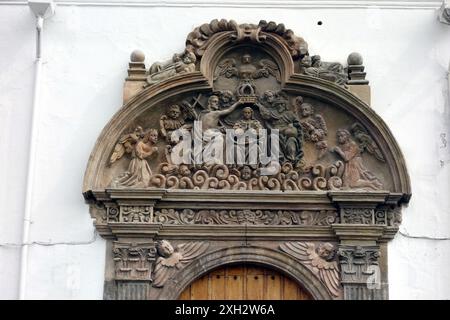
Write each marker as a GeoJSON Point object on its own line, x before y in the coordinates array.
{"type": "Point", "coordinates": [190, 152]}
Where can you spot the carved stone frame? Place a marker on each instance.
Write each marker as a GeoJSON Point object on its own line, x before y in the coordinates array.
{"type": "Point", "coordinates": [362, 221]}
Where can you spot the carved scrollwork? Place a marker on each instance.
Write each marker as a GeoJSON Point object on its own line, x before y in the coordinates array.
{"type": "Point", "coordinates": [197, 40]}
{"type": "Point", "coordinates": [251, 217]}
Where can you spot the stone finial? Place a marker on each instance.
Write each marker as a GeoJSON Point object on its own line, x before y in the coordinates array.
{"type": "Point", "coordinates": [355, 69]}
{"type": "Point", "coordinates": [354, 58]}
{"type": "Point", "coordinates": [137, 56]}
{"type": "Point", "coordinates": [136, 75]}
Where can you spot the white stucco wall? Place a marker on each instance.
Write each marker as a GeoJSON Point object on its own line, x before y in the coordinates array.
{"type": "Point", "coordinates": [406, 53]}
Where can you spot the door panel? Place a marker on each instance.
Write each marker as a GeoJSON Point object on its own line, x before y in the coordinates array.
{"type": "Point", "coordinates": [244, 282]}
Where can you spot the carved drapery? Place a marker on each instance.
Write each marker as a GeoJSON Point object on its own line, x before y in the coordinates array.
{"type": "Point", "coordinates": [330, 201]}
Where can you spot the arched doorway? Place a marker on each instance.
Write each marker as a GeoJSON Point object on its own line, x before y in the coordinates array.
{"type": "Point", "coordinates": [244, 282]}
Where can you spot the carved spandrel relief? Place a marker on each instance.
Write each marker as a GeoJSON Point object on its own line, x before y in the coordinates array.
{"type": "Point", "coordinates": [171, 259]}
{"type": "Point", "coordinates": [320, 259]}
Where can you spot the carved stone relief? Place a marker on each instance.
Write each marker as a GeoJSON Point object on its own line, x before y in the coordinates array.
{"type": "Point", "coordinates": [133, 261]}
{"type": "Point", "coordinates": [321, 259]}
{"type": "Point", "coordinates": [189, 159]}
{"type": "Point", "coordinates": [252, 217]}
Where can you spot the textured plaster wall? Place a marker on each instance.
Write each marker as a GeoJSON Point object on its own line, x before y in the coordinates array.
{"type": "Point", "coordinates": [406, 54]}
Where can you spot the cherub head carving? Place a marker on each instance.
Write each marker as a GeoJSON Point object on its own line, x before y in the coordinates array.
{"type": "Point", "coordinates": [306, 110]}
{"type": "Point", "coordinates": [183, 170]}
{"type": "Point", "coordinates": [269, 96]}
{"type": "Point", "coordinates": [189, 57]}
{"type": "Point", "coordinates": [226, 96]}
{"type": "Point", "coordinates": [326, 251]}
{"type": "Point", "coordinates": [246, 173]}
{"type": "Point", "coordinates": [246, 59]}
{"type": "Point", "coordinates": [174, 112]}
{"type": "Point", "coordinates": [164, 248]}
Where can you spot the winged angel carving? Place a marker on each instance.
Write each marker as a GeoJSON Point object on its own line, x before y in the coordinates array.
{"type": "Point", "coordinates": [365, 141]}
{"type": "Point", "coordinates": [228, 68]}
{"type": "Point", "coordinates": [141, 146]}
{"type": "Point", "coordinates": [320, 260]}
{"type": "Point", "coordinates": [172, 259]}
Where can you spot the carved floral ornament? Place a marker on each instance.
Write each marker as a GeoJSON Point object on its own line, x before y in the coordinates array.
{"type": "Point", "coordinates": [245, 127]}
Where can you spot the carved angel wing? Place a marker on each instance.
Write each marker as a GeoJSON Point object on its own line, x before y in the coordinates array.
{"type": "Point", "coordinates": [227, 68]}
{"type": "Point", "coordinates": [125, 144]}
{"type": "Point", "coordinates": [327, 271]}
{"type": "Point", "coordinates": [166, 267]}
{"type": "Point", "coordinates": [162, 272]}
{"type": "Point", "coordinates": [268, 68]}
{"type": "Point", "coordinates": [190, 251]}
{"type": "Point", "coordinates": [366, 142]}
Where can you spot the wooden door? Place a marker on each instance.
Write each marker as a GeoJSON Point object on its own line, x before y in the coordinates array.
{"type": "Point", "coordinates": [244, 282]}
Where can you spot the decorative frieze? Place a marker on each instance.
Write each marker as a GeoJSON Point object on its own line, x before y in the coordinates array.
{"type": "Point", "coordinates": [251, 217]}
{"type": "Point", "coordinates": [357, 215]}
{"type": "Point", "coordinates": [136, 213]}
{"type": "Point", "coordinates": [130, 214]}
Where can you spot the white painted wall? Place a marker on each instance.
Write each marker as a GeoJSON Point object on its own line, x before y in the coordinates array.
{"type": "Point", "coordinates": [406, 52]}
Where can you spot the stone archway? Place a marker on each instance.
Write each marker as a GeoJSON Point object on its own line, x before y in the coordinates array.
{"type": "Point", "coordinates": [253, 255]}
{"type": "Point", "coordinates": [244, 282]}
{"type": "Point", "coordinates": [321, 213]}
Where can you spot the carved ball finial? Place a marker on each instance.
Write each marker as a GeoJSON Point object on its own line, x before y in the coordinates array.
{"type": "Point", "coordinates": [137, 56]}
{"type": "Point", "coordinates": [355, 59]}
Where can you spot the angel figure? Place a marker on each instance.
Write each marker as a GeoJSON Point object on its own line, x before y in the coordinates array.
{"type": "Point", "coordinates": [246, 72]}
{"type": "Point", "coordinates": [313, 125]}
{"type": "Point", "coordinates": [355, 173]}
{"type": "Point", "coordinates": [139, 172]}
{"type": "Point", "coordinates": [331, 71]}
{"type": "Point", "coordinates": [172, 120]}
{"type": "Point", "coordinates": [365, 141]}
{"type": "Point", "coordinates": [320, 260]}
{"type": "Point", "coordinates": [170, 260]}
{"type": "Point", "coordinates": [179, 65]}
{"type": "Point", "coordinates": [126, 144]}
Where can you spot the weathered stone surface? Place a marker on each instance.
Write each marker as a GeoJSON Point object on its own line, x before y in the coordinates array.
{"type": "Point", "coordinates": [338, 183]}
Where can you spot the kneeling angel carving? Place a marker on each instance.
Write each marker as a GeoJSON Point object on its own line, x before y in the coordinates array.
{"type": "Point", "coordinates": [356, 175]}
{"type": "Point", "coordinates": [320, 260]}
{"type": "Point", "coordinates": [139, 172]}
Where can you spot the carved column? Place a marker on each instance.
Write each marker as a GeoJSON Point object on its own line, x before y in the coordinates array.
{"type": "Point", "coordinates": [360, 272]}
{"type": "Point", "coordinates": [359, 251]}
{"type": "Point", "coordinates": [133, 269]}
